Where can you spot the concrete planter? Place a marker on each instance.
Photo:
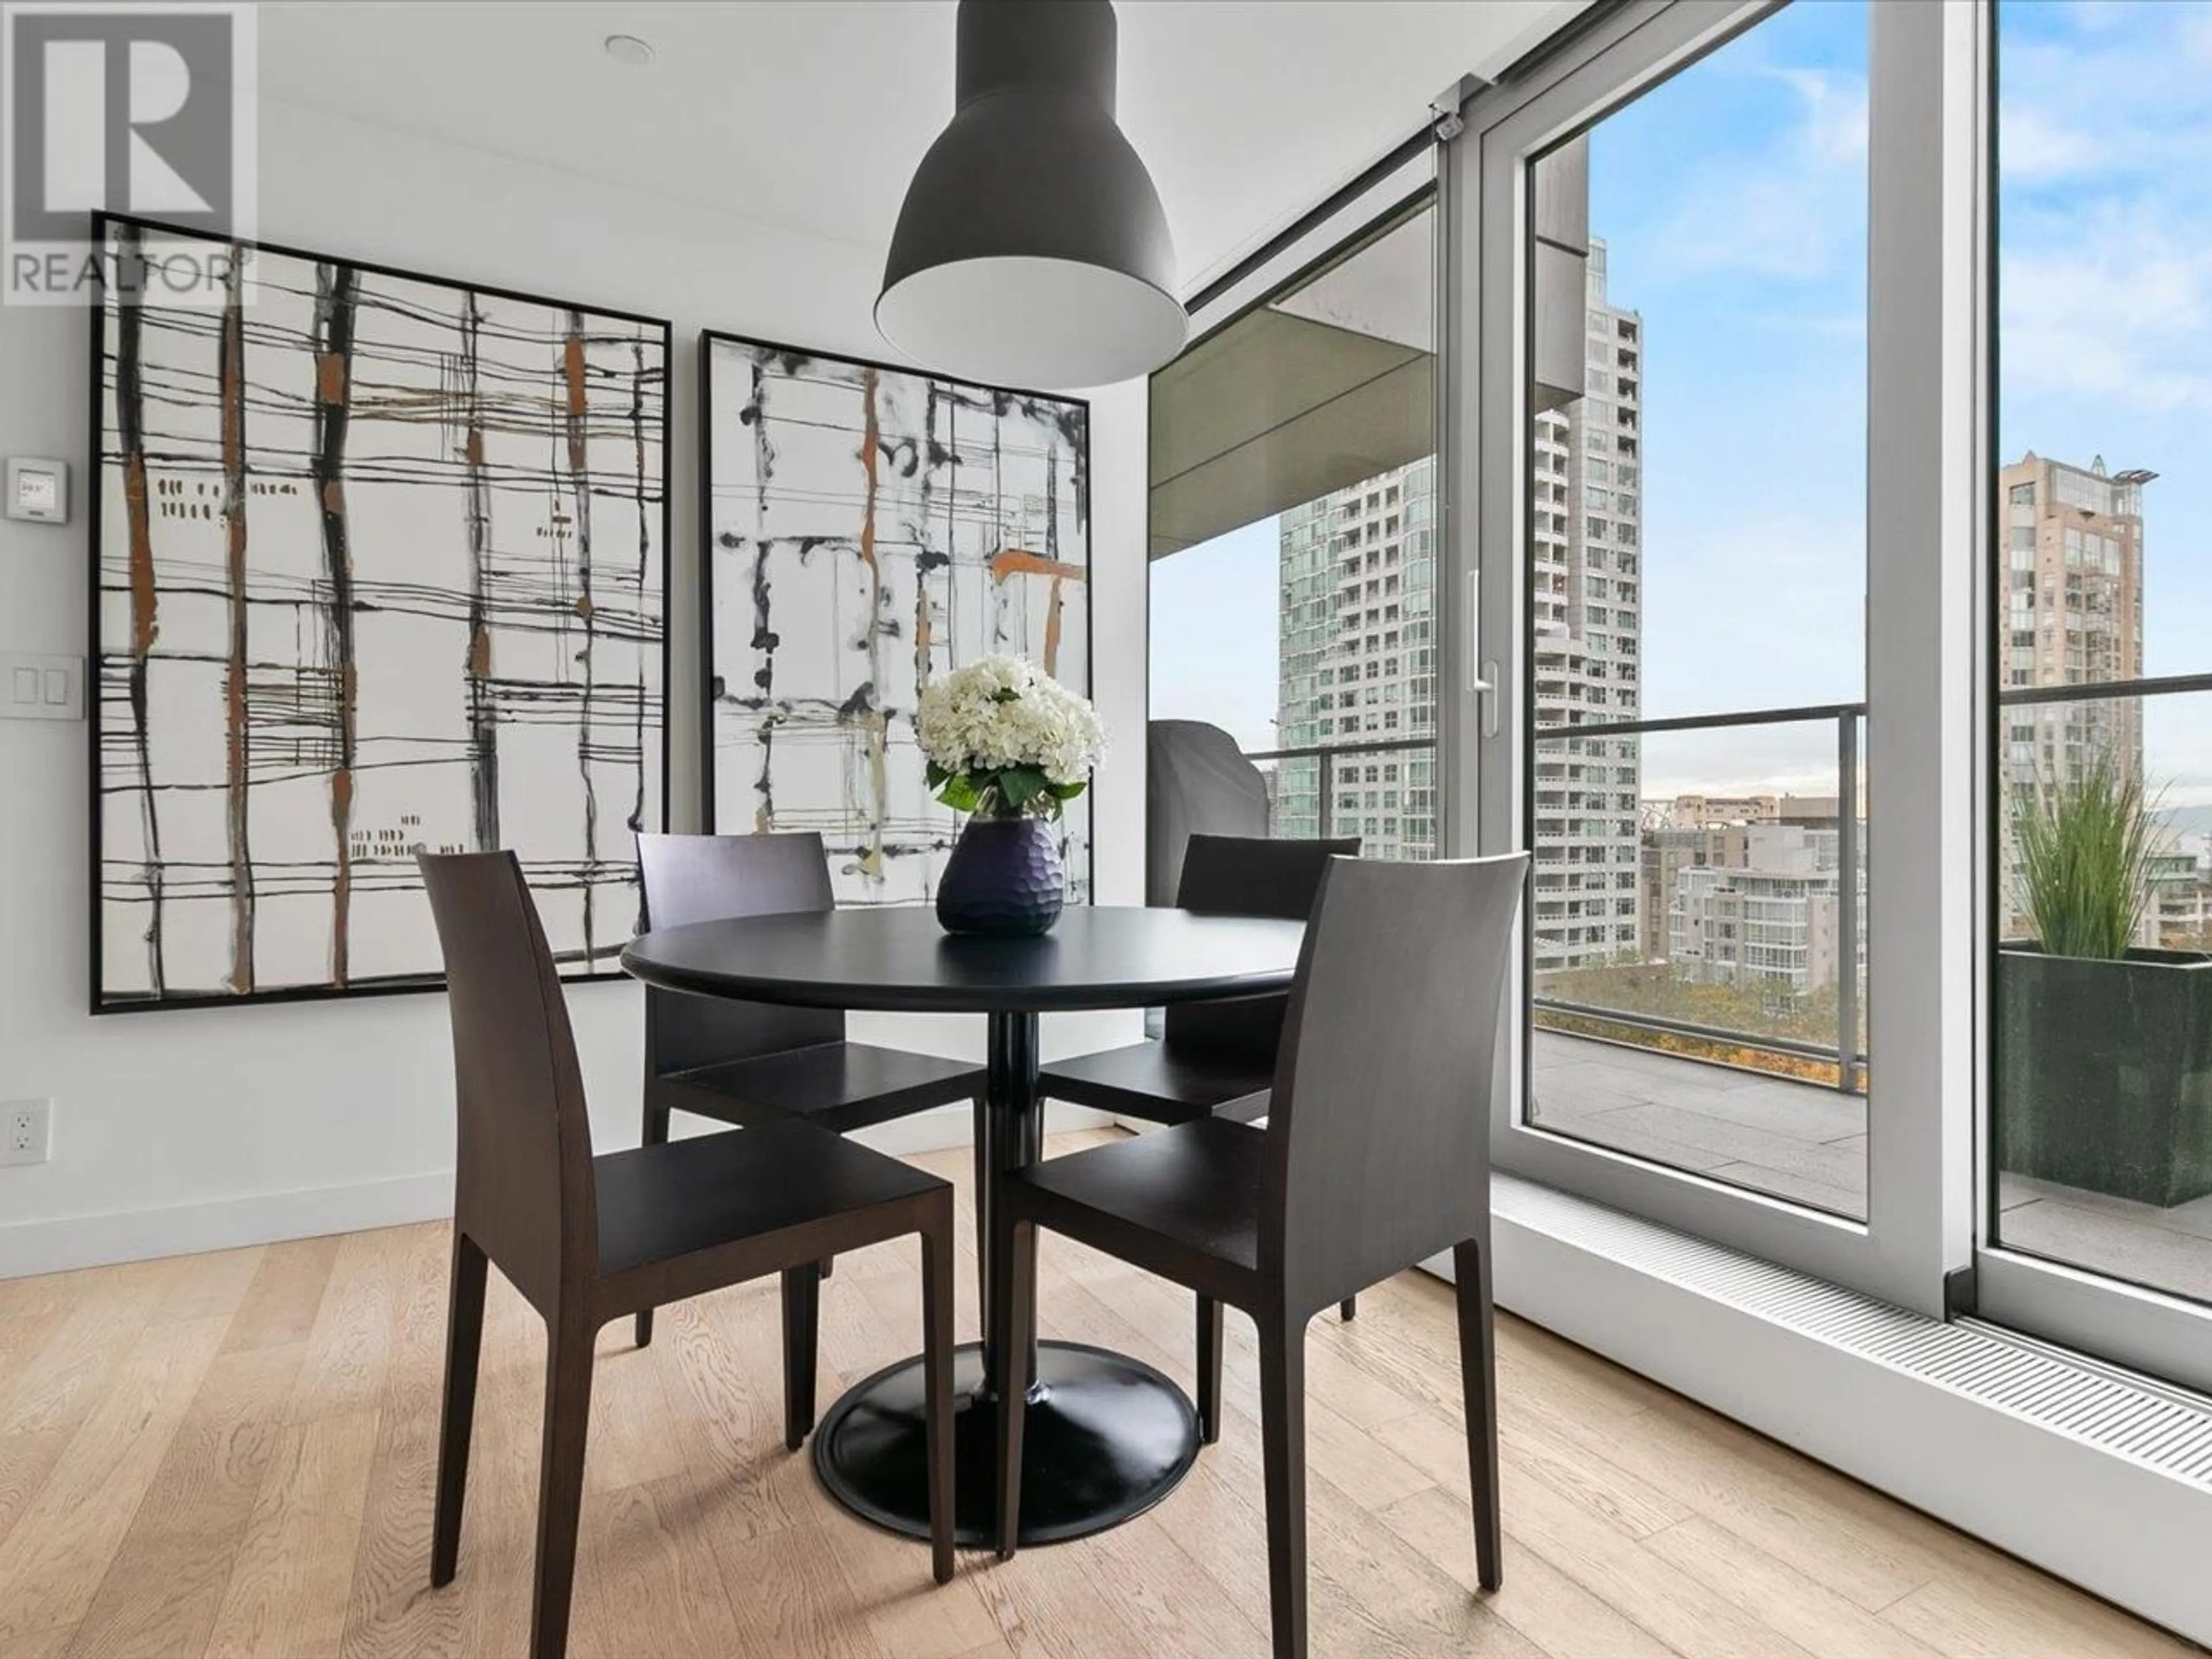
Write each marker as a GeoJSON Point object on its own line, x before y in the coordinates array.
{"type": "Point", "coordinates": [2105, 1073]}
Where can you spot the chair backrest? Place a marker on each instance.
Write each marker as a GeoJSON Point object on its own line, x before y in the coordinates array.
{"type": "Point", "coordinates": [1246, 876]}
{"type": "Point", "coordinates": [1379, 1126]}
{"type": "Point", "coordinates": [523, 1188]}
{"type": "Point", "coordinates": [690, 878]}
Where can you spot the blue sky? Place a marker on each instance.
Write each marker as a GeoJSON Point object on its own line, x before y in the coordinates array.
{"type": "Point", "coordinates": [1733, 200]}
{"type": "Point", "coordinates": [2105, 307]}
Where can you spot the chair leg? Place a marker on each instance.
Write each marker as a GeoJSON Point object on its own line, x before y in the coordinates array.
{"type": "Point", "coordinates": [561, 1482]}
{"type": "Point", "coordinates": [828, 1266]}
{"type": "Point", "coordinates": [802, 1305]}
{"type": "Point", "coordinates": [1012, 1296]}
{"type": "Point", "coordinates": [1209, 1369]}
{"type": "Point", "coordinates": [982, 1136]}
{"type": "Point", "coordinates": [1478, 1362]}
{"type": "Point", "coordinates": [464, 1342]}
{"type": "Point", "coordinates": [937, 1387]}
{"type": "Point", "coordinates": [1283, 1446]}
{"type": "Point", "coordinates": [652, 1132]}
{"type": "Point", "coordinates": [1348, 1309]}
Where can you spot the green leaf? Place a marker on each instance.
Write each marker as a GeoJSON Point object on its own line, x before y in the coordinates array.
{"type": "Point", "coordinates": [1067, 791]}
{"type": "Point", "coordinates": [959, 792]}
{"type": "Point", "coordinates": [1006, 693]}
{"type": "Point", "coordinates": [1020, 785]}
{"type": "Point", "coordinates": [2084, 850]}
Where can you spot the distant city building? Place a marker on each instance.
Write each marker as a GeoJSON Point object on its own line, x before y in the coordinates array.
{"type": "Point", "coordinates": [2178, 909]}
{"type": "Point", "coordinates": [1586, 576]}
{"type": "Point", "coordinates": [2072, 598]}
{"type": "Point", "coordinates": [1668, 850]}
{"type": "Point", "coordinates": [1771, 920]}
{"type": "Point", "coordinates": [1691, 812]}
{"type": "Point", "coordinates": [1696, 832]}
{"type": "Point", "coordinates": [1359, 652]}
{"type": "Point", "coordinates": [1358, 663]}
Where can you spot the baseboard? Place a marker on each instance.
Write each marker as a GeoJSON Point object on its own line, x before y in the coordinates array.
{"type": "Point", "coordinates": [59, 1243]}
{"type": "Point", "coordinates": [222, 1224]}
{"type": "Point", "coordinates": [1959, 1423]}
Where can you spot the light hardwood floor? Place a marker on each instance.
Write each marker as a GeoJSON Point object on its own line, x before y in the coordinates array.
{"type": "Point", "coordinates": [230, 1456]}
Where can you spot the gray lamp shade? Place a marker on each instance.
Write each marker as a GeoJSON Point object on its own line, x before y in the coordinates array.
{"type": "Point", "coordinates": [1032, 250]}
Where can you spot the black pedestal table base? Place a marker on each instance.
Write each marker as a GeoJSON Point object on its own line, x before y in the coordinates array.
{"type": "Point", "coordinates": [1107, 1438]}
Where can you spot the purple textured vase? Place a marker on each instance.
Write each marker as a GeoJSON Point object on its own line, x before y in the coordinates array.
{"type": "Point", "coordinates": [1003, 880]}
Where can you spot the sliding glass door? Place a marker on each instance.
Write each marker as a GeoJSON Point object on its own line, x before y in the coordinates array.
{"type": "Point", "coordinates": [1667, 255]}
{"type": "Point", "coordinates": [2099, 1220]}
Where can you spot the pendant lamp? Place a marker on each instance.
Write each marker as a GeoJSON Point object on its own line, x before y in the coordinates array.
{"type": "Point", "coordinates": [1032, 250]}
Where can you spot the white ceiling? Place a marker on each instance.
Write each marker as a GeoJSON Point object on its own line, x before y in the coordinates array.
{"type": "Point", "coordinates": [811, 113]}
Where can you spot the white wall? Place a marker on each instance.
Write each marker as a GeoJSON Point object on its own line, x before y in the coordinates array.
{"type": "Point", "coordinates": [194, 1129]}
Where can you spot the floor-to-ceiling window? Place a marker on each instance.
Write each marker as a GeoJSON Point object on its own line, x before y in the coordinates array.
{"type": "Point", "coordinates": [1293, 529]}
{"type": "Point", "coordinates": [2100, 679]}
{"type": "Point", "coordinates": [1819, 390]}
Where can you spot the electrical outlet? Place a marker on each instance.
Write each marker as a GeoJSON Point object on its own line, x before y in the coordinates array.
{"type": "Point", "coordinates": [27, 1129]}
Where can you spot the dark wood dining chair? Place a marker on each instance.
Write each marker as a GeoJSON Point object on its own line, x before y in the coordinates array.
{"type": "Point", "coordinates": [1211, 1059]}
{"type": "Point", "coordinates": [752, 1063]}
{"type": "Point", "coordinates": [1376, 1157]}
{"type": "Point", "coordinates": [588, 1240]}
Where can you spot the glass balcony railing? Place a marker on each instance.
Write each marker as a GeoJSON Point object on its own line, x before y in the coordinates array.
{"type": "Point", "coordinates": [1689, 918]}
{"type": "Point", "coordinates": [1765, 998]}
{"type": "Point", "coordinates": [1383, 790]}
{"type": "Point", "coordinates": [1692, 894]}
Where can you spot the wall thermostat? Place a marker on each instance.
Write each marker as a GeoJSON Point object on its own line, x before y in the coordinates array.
{"type": "Point", "coordinates": [38, 491]}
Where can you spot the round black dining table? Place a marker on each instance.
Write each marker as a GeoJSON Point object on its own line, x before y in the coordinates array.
{"type": "Point", "coordinates": [1107, 1435]}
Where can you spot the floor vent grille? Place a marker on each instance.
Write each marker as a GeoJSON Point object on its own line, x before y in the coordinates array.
{"type": "Point", "coordinates": [2147, 1424]}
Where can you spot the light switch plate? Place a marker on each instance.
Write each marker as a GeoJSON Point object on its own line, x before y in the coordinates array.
{"type": "Point", "coordinates": [38, 491]}
{"type": "Point", "coordinates": [40, 688]}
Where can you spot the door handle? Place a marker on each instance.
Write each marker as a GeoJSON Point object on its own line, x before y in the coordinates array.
{"type": "Point", "coordinates": [1483, 685]}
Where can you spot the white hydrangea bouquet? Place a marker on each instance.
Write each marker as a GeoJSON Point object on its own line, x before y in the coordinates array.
{"type": "Point", "coordinates": [1004, 739]}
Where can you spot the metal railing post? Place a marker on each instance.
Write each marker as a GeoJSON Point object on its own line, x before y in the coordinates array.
{"type": "Point", "coordinates": [1847, 902]}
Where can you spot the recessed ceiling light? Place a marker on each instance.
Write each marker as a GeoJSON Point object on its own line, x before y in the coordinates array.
{"type": "Point", "coordinates": [628, 49]}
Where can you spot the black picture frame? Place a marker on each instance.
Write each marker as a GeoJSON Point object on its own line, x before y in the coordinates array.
{"type": "Point", "coordinates": [101, 1003]}
{"type": "Point", "coordinates": [709, 339]}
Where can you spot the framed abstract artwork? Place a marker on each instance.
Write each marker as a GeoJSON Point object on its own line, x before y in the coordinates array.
{"type": "Point", "coordinates": [378, 565]}
{"type": "Point", "coordinates": [866, 527]}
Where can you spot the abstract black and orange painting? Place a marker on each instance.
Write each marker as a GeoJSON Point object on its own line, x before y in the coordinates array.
{"type": "Point", "coordinates": [867, 527]}
{"type": "Point", "coordinates": [379, 566]}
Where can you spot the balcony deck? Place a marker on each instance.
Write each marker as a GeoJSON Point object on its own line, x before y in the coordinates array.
{"type": "Point", "coordinates": [1808, 1144]}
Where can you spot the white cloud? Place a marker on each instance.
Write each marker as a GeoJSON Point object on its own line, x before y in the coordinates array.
{"type": "Point", "coordinates": [2114, 302]}
{"type": "Point", "coordinates": [2105, 257]}
{"type": "Point", "coordinates": [1835, 113]}
{"type": "Point", "coordinates": [1796, 211]}
{"type": "Point", "coordinates": [2196, 35]}
{"type": "Point", "coordinates": [2098, 16]}
{"type": "Point", "coordinates": [2034, 145]}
